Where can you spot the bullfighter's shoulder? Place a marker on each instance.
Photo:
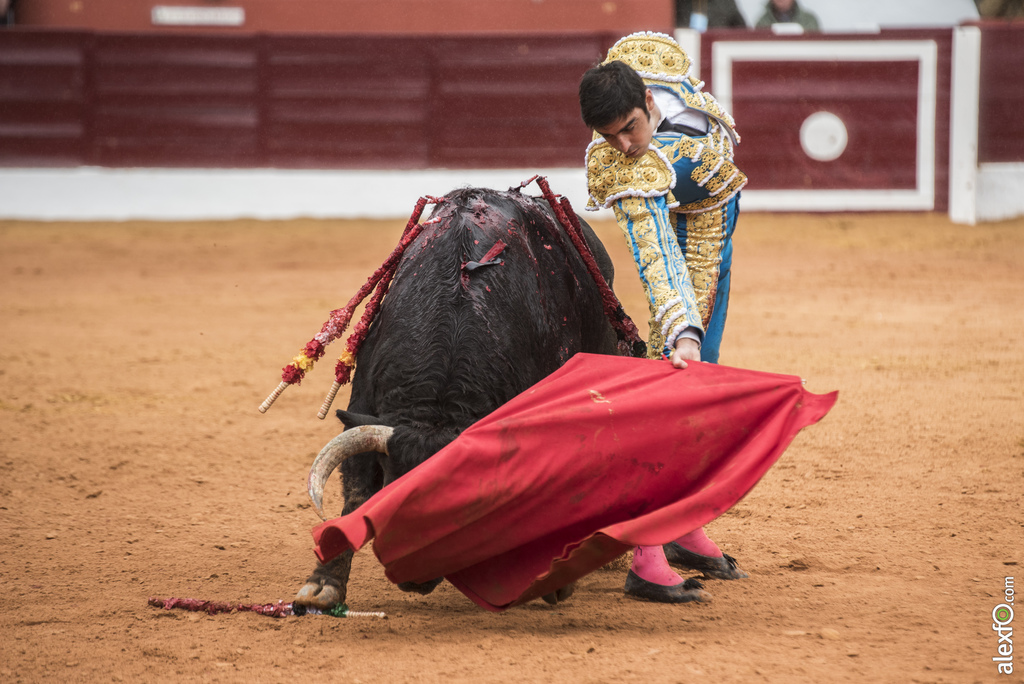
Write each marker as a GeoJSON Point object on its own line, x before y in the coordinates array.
{"type": "Point", "coordinates": [611, 175]}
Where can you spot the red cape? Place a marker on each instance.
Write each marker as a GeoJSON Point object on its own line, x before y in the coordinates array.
{"type": "Point", "coordinates": [604, 454]}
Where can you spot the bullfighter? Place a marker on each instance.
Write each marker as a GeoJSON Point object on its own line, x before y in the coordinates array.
{"type": "Point", "coordinates": [662, 159]}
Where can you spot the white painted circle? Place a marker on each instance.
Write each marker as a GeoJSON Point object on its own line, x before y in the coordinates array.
{"type": "Point", "coordinates": [823, 136]}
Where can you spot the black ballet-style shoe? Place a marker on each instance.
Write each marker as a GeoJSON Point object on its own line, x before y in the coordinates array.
{"type": "Point", "coordinates": [723, 568]}
{"type": "Point", "coordinates": [690, 590]}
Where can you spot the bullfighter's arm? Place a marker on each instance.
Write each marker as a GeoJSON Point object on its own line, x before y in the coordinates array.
{"type": "Point", "coordinates": [662, 268]}
{"type": "Point", "coordinates": [638, 191]}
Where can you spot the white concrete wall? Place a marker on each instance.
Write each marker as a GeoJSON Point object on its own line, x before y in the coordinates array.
{"type": "Point", "coordinates": [102, 194]}
{"type": "Point", "coordinates": [1000, 191]}
{"type": "Point", "coordinates": [977, 192]}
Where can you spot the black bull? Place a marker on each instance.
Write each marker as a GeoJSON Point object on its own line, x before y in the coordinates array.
{"type": "Point", "coordinates": [458, 336]}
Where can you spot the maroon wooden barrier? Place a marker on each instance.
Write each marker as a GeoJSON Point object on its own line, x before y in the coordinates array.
{"type": "Point", "coordinates": [70, 98]}
{"type": "Point", "coordinates": [875, 97]}
{"type": "Point", "coordinates": [121, 99]}
{"type": "Point", "coordinates": [45, 107]}
{"type": "Point", "coordinates": [174, 101]}
{"type": "Point", "coordinates": [350, 17]}
{"type": "Point", "coordinates": [1000, 115]}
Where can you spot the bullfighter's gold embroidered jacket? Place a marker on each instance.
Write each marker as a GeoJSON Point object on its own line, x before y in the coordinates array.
{"type": "Point", "coordinates": [679, 178]}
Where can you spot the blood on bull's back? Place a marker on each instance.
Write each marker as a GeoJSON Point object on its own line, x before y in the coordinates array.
{"type": "Point", "coordinates": [462, 332]}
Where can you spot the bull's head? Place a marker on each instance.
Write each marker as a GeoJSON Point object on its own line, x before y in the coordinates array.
{"type": "Point", "coordinates": [349, 443]}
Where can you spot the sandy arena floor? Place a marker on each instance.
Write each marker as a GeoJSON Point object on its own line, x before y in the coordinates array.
{"type": "Point", "coordinates": [134, 463]}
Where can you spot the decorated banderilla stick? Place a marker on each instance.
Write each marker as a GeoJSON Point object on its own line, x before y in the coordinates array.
{"type": "Point", "coordinates": [278, 609]}
{"type": "Point", "coordinates": [623, 325]}
{"type": "Point", "coordinates": [339, 319]}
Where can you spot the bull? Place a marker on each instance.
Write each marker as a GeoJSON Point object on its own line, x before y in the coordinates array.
{"type": "Point", "coordinates": [456, 337]}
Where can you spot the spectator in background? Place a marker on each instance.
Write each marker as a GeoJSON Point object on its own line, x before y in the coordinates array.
{"type": "Point", "coordinates": [787, 12]}
{"type": "Point", "coordinates": [704, 14]}
{"type": "Point", "coordinates": [6, 12]}
{"type": "Point", "coordinates": [1000, 9]}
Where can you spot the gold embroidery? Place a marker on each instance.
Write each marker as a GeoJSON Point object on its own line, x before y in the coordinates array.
{"type": "Point", "coordinates": [721, 143]}
{"type": "Point", "coordinates": [705, 235]}
{"type": "Point", "coordinates": [657, 54]}
{"type": "Point", "coordinates": [676, 147]}
{"type": "Point", "coordinates": [611, 173]}
{"type": "Point", "coordinates": [649, 176]}
{"type": "Point", "coordinates": [710, 150]}
{"type": "Point", "coordinates": [721, 179]}
{"type": "Point", "coordinates": [709, 162]}
{"type": "Point", "coordinates": [656, 247]}
{"type": "Point", "coordinates": [625, 176]}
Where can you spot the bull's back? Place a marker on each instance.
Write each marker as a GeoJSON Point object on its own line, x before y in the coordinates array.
{"type": "Point", "coordinates": [454, 340]}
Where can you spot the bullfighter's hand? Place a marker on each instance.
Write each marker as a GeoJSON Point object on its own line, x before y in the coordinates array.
{"type": "Point", "coordinates": [686, 350]}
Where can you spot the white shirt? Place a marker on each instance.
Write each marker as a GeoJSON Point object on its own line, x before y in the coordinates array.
{"type": "Point", "coordinates": [676, 111]}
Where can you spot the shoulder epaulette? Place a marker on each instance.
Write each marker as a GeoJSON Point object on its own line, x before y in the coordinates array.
{"type": "Point", "coordinates": [611, 175]}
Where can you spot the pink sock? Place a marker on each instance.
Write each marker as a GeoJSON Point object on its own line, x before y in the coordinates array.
{"type": "Point", "coordinates": [649, 564]}
{"type": "Point", "coordinates": [698, 542]}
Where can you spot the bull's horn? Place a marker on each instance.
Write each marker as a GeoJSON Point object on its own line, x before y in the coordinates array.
{"type": "Point", "coordinates": [348, 443]}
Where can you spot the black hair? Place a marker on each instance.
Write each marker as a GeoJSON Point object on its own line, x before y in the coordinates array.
{"type": "Point", "coordinates": [609, 92]}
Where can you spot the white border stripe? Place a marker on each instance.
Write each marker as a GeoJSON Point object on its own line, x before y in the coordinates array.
{"type": "Point", "coordinates": [833, 200]}
{"type": "Point", "coordinates": [925, 52]}
{"type": "Point", "coordinates": [963, 125]}
{"type": "Point", "coordinates": [91, 193]}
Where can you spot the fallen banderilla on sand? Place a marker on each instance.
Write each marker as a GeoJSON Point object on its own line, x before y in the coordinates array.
{"type": "Point", "coordinates": [278, 609]}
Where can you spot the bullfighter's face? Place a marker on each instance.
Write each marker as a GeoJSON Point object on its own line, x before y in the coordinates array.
{"type": "Point", "coordinates": [632, 134]}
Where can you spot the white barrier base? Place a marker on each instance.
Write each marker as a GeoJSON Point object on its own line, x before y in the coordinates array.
{"type": "Point", "coordinates": [103, 194]}
{"type": "Point", "coordinates": [1000, 191]}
